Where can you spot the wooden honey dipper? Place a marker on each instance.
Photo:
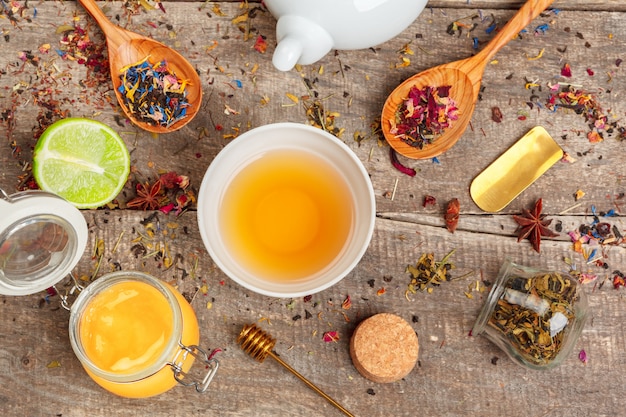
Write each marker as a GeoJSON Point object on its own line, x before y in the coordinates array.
{"type": "Point", "coordinates": [259, 345]}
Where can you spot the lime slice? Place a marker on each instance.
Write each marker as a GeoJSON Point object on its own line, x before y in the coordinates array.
{"type": "Point", "coordinates": [82, 160]}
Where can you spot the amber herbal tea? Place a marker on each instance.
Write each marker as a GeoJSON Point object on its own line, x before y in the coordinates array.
{"type": "Point", "coordinates": [286, 210]}
{"type": "Point", "coordinates": [287, 215]}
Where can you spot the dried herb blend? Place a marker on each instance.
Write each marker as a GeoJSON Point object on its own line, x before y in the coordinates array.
{"type": "Point", "coordinates": [424, 115]}
{"type": "Point", "coordinates": [428, 273]}
{"type": "Point", "coordinates": [535, 315]}
{"type": "Point", "coordinates": [153, 94]}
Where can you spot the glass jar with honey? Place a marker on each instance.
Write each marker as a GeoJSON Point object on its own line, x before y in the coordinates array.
{"type": "Point", "coordinates": [136, 336]}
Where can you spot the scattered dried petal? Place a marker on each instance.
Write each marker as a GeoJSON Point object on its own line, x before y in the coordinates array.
{"type": "Point", "coordinates": [566, 71]}
{"type": "Point", "coordinates": [53, 364]}
{"type": "Point", "coordinates": [579, 194]}
{"type": "Point", "coordinates": [398, 165]}
{"type": "Point", "coordinates": [260, 45]}
{"type": "Point", "coordinates": [292, 97]}
{"type": "Point", "coordinates": [452, 214]}
{"type": "Point", "coordinates": [539, 55]}
{"type": "Point", "coordinates": [496, 114]}
{"type": "Point", "coordinates": [429, 200]}
{"type": "Point", "coordinates": [332, 336]}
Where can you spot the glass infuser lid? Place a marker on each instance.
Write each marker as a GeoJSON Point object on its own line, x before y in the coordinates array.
{"type": "Point", "coordinates": [42, 238]}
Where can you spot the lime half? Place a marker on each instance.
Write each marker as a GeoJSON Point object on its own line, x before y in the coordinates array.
{"type": "Point", "coordinates": [82, 160]}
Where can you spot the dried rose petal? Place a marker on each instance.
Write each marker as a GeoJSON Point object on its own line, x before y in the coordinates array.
{"type": "Point", "coordinates": [260, 45]}
{"type": "Point", "coordinates": [594, 137]}
{"type": "Point", "coordinates": [169, 179]}
{"type": "Point", "coordinates": [167, 208]}
{"type": "Point", "coordinates": [347, 303]}
{"type": "Point", "coordinates": [396, 163]}
{"type": "Point", "coordinates": [429, 200]}
{"type": "Point", "coordinates": [332, 336]}
{"type": "Point", "coordinates": [566, 71]}
{"type": "Point", "coordinates": [424, 115]}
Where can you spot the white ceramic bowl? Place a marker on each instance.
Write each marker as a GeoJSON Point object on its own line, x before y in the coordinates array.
{"type": "Point", "coordinates": [251, 146]}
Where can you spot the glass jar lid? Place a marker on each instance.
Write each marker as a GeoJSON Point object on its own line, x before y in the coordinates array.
{"type": "Point", "coordinates": [42, 238]}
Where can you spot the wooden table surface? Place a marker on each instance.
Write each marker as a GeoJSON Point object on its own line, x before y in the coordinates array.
{"type": "Point", "coordinates": [457, 374]}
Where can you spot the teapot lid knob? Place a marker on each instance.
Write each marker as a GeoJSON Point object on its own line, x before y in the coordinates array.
{"type": "Point", "coordinates": [300, 41]}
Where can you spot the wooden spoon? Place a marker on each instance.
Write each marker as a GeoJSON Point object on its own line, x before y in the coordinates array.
{"type": "Point", "coordinates": [464, 76]}
{"type": "Point", "coordinates": [127, 48]}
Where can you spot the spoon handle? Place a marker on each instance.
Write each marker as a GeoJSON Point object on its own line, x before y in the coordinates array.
{"type": "Point", "coordinates": [115, 35]}
{"type": "Point", "coordinates": [530, 10]}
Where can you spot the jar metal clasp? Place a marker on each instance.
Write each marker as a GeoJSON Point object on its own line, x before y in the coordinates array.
{"type": "Point", "coordinates": [76, 287]}
{"type": "Point", "coordinates": [201, 355]}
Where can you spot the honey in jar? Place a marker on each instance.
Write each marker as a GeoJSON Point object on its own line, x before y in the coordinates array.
{"type": "Point", "coordinates": [135, 335]}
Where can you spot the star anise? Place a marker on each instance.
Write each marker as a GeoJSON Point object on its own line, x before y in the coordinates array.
{"type": "Point", "coordinates": [532, 226]}
{"type": "Point", "coordinates": [148, 197]}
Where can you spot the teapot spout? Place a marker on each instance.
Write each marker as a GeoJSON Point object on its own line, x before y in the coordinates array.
{"type": "Point", "coordinates": [300, 41]}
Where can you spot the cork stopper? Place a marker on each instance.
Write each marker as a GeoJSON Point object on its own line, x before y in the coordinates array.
{"type": "Point", "coordinates": [384, 348]}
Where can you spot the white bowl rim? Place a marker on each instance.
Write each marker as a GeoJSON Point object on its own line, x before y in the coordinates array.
{"type": "Point", "coordinates": [207, 202]}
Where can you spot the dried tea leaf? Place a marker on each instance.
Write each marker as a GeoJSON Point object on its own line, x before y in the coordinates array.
{"type": "Point", "coordinates": [428, 273]}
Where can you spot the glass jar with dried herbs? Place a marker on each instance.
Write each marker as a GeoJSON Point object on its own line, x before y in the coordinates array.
{"type": "Point", "coordinates": [535, 316]}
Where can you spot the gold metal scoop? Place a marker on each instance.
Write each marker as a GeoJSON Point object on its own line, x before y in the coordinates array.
{"type": "Point", "coordinates": [259, 345]}
{"type": "Point", "coordinates": [515, 170]}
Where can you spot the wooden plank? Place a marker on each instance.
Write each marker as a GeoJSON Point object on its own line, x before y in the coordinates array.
{"type": "Point", "coordinates": [603, 5]}
{"type": "Point", "coordinates": [457, 374]}
{"type": "Point", "coordinates": [354, 84]}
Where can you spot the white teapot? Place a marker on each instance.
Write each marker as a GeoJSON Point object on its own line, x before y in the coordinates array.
{"type": "Point", "coordinates": [308, 29]}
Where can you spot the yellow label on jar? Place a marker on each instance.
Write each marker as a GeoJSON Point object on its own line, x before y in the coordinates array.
{"type": "Point", "coordinates": [126, 327]}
